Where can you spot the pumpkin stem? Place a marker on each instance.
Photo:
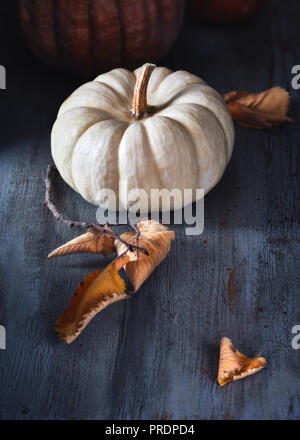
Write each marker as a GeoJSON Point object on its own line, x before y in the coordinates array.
{"type": "Point", "coordinates": [139, 103]}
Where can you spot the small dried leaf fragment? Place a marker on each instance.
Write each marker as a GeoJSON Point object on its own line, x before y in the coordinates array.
{"type": "Point", "coordinates": [93, 241]}
{"type": "Point", "coordinates": [234, 365]}
{"type": "Point", "coordinates": [97, 291]}
{"type": "Point", "coordinates": [267, 109]}
{"type": "Point", "coordinates": [156, 239]}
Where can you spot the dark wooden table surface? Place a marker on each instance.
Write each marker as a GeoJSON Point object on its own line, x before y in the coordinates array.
{"type": "Point", "coordinates": [156, 356]}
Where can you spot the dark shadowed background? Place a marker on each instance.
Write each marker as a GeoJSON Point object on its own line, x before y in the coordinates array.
{"type": "Point", "coordinates": [156, 356]}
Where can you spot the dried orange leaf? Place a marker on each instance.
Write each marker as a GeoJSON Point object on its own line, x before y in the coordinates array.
{"type": "Point", "coordinates": [267, 109]}
{"type": "Point", "coordinates": [97, 291]}
{"type": "Point", "coordinates": [234, 365]}
{"type": "Point", "coordinates": [93, 241]}
{"type": "Point", "coordinates": [156, 239]}
{"type": "Point", "coordinates": [101, 288]}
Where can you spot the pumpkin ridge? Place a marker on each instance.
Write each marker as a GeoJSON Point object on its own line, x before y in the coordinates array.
{"type": "Point", "coordinates": [165, 184]}
{"type": "Point", "coordinates": [122, 98]}
{"type": "Point", "coordinates": [153, 91]}
{"type": "Point", "coordinates": [89, 88]}
{"type": "Point", "coordinates": [126, 88]}
{"type": "Point", "coordinates": [187, 131]}
{"type": "Point", "coordinates": [86, 107]}
{"type": "Point", "coordinates": [211, 149]}
{"type": "Point", "coordinates": [228, 155]}
{"type": "Point", "coordinates": [73, 154]}
{"type": "Point", "coordinates": [118, 94]}
{"type": "Point", "coordinates": [59, 120]}
{"type": "Point", "coordinates": [117, 158]}
{"type": "Point", "coordinates": [180, 93]}
{"type": "Point", "coordinates": [182, 86]}
{"type": "Point", "coordinates": [205, 91]}
{"type": "Point", "coordinates": [146, 134]}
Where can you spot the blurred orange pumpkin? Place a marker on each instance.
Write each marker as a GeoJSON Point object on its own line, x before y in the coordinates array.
{"type": "Point", "coordinates": [90, 36]}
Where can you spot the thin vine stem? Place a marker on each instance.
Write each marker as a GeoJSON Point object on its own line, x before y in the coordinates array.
{"type": "Point", "coordinates": [85, 225]}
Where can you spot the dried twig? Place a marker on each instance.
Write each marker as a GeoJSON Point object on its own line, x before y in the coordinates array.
{"type": "Point", "coordinates": [59, 216]}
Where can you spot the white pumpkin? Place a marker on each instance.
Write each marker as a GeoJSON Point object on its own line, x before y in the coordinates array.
{"type": "Point", "coordinates": [152, 129]}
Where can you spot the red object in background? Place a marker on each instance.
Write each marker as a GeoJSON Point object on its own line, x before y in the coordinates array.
{"type": "Point", "coordinates": [225, 11]}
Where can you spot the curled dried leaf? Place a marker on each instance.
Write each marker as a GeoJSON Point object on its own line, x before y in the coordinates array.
{"type": "Point", "coordinates": [156, 239]}
{"type": "Point", "coordinates": [93, 241]}
{"type": "Point", "coordinates": [234, 365]}
{"type": "Point", "coordinates": [267, 109]}
{"type": "Point", "coordinates": [97, 291]}
{"type": "Point", "coordinates": [102, 288]}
